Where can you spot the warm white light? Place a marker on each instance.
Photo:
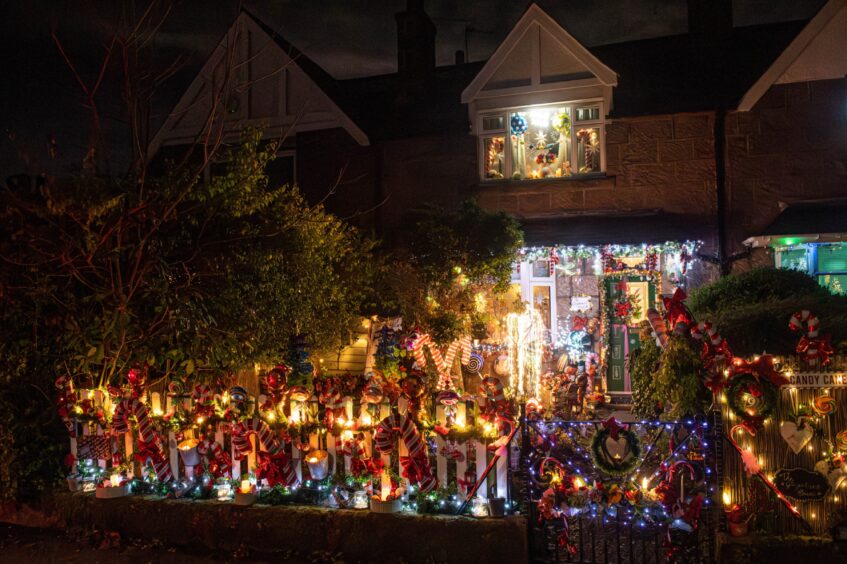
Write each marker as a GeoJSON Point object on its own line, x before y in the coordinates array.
{"type": "Point", "coordinates": [246, 487]}
{"type": "Point", "coordinates": [525, 341]}
{"type": "Point", "coordinates": [727, 500]}
{"type": "Point", "coordinates": [579, 483]}
{"type": "Point", "coordinates": [644, 483]}
{"type": "Point", "coordinates": [115, 480]}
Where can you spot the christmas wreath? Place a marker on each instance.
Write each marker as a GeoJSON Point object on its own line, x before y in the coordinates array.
{"type": "Point", "coordinates": [615, 464]}
{"type": "Point", "coordinates": [752, 399]}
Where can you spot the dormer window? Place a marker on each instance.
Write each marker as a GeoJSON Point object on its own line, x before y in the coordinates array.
{"type": "Point", "coordinates": [551, 141]}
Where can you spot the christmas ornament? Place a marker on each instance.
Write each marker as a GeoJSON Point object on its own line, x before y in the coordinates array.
{"type": "Point", "coordinates": [274, 465]}
{"type": "Point", "coordinates": [475, 363]}
{"type": "Point", "coordinates": [834, 470]}
{"type": "Point", "coordinates": [615, 449]}
{"type": "Point", "coordinates": [518, 124]}
{"type": "Point", "coordinates": [502, 365]}
{"type": "Point", "coordinates": [796, 437]}
{"type": "Point", "coordinates": [149, 446]}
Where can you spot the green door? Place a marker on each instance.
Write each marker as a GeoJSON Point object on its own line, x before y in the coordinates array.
{"type": "Point", "coordinates": [623, 331]}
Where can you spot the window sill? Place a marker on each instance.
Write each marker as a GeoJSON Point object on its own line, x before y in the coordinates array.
{"type": "Point", "coordinates": [595, 179]}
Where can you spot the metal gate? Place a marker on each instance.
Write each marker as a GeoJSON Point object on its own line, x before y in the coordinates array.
{"type": "Point", "coordinates": [602, 531]}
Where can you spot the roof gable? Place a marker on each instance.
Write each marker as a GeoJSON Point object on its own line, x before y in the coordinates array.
{"type": "Point", "coordinates": [537, 53]}
{"type": "Point", "coordinates": [819, 52]}
{"type": "Point", "coordinates": [254, 77]}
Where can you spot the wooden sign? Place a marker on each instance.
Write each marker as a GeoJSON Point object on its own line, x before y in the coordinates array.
{"type": "Point", "coordinates": [818, 380]}
{"type": "Point", "coordinates": [801, 484]}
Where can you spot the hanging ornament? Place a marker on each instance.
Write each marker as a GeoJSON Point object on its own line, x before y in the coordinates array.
{"type": "Point", "coordinates": [796, 436]}
{"type": "Point", "coordinates": [615, 449]}
{"type": "Point", "coordinates": [519, 125]}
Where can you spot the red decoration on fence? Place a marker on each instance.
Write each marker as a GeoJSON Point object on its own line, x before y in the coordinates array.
{"type": "Point", "coordinates": [241, 432]}
{"type": "Point", "coordinates": [813, 347]}
{"type": "Point", "coordinates": [148, 440]}
{"type": "Point", "coordinates": [415, 466]}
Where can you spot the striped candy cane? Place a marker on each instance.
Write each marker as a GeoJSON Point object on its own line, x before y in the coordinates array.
{"type": "Point", "coordinates": [65, 401]}
{"type": "Point", "coordinates": [146, 432]}
{"type": "Point", "coordinates": [805, 320]}
{"type": "Point", "coordinates": [241, 432]}
{"type": "Point", "coordinates": [443, 362]}
{"type": "Point", "coordinates": [205, 447]}
{"type": "Point", "coordinates": [384, 443]}
{"type": "Point", "coordinates": [719, 346]}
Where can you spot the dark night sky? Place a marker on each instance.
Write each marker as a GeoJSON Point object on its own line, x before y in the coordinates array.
{"type": "Point", "coordinates": [347, 37]}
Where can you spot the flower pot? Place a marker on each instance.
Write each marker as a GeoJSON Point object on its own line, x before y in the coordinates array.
{"type": "Point", "coordinates": [188, 452]}
{"type": "Point", "coordinates": [497, 506]}
{"type": "Point", "coordinates": [73, 484]}
{"type": "Point", "coordinates": [242, 498]}
{"type": "Point", "coordinates": [112, 492]}
{"type": "Point", "coordinates": [390, 506]}
{"type": "Point", "coordinates": [318, 462]}
{"type": "Point", "coordinates": [739, 529]}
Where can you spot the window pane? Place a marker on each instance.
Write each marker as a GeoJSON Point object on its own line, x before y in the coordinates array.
{"type": "Point", "coordinates": [835, 283]}
{"type": "Point", "coordinates": [832, 258]}
{"type": "Point", "coordinates": [494, 163]}
{"type": "Point", "coordinates": [793, 259]}
{"type": "Point", "coordinates": [588, 113]}
{"type": "Point", "coordinates": [540, 139]}
{"type": "Point", "coordinates": [541, 269]}
{"type": "Point", "coordinates": [491, 123]}
{"type": "Point", "coordinates": [541, 302]}
{"type": "Point", "coordinates": [280, 171]}
{"type": "Point", "coordinates": [588, 149]}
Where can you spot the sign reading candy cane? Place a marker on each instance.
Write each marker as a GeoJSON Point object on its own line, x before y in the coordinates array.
{"type": "Point", "coordinates": [241, 432]}
{"type": "Point", "coordinates": [384, 441]}
{"type": "Point", "coordinates": [120, 425]}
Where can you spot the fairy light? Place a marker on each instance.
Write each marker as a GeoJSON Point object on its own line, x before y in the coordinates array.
{"type": "Point", "coordinates": [526, 346]}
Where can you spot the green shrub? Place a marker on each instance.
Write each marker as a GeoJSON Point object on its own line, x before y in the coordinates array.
{"type": "Point", "coordinates": [751, 310]}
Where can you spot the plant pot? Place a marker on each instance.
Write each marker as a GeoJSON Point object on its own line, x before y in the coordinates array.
{"type": "Point", "coordinates": [497, 507]}
{"type": "Point", "coordinates": [73, 484]}
{"type": "Point", "coordinates": [318, 462]}
{"type": "Point", "coordinates": [739, 529]}
{"type": "Point", "coordinates": [112, 492]}
{"type": "Point", "coordinates": [380, 506]}
{"type": "Point", "coordinates": [242, 498]}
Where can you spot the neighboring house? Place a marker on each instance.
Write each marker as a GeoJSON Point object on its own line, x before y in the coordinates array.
{"type": "Point", "coordinates": [656, 141]}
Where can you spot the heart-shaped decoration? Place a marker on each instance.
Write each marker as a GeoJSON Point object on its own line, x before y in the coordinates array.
{"type": "Point", "coordinates": [796, 438]}
{"type": "Point", "coordinates": [618, 449]}
{"type": "Point", "coordinates": [833, 475]}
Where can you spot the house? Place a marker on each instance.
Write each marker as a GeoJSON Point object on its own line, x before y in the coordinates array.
{"type": "Point", "coordinates": [624, 162]}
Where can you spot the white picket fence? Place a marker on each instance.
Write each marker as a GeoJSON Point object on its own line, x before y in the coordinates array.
{"type": "Point", "coordinates": [445, 467]}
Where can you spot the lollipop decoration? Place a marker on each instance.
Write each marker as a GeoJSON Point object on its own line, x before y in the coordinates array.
{"type": "Point", "coordinates": [824, 405]}
{"type": "Point", "coordinates": [475, 363]}
{"type": "Point", "coordinates": [841, 441]}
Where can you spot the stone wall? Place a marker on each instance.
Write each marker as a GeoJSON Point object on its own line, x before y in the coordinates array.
{"type": "Point", "coordinates": [272, 532]}
{"type": "Point", "coordinates": [791, 147]}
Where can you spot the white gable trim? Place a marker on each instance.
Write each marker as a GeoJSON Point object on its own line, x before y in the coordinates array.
{"type": "Point", "coordinates": [535, 15]}
{"type": "Point", "coordinates": [791, 53]}
{"type": "Point", "coordinates": [171, 133]}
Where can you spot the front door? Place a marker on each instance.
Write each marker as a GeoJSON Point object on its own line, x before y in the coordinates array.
{"type": "Point", "coordinates": [627, 300]}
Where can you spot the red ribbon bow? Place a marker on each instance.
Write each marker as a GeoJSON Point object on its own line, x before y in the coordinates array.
{"type": "Point", "coordinates": [815, 351]}
{"type": "Point", "coordinates": [270, 467]}
{"type": "Point", "coordinates": [760, 369]}
{"type": "Point", "coordinates": [414, 469]}
{"type": "Point", "coordinates": [578, 323]}
{"type": "Point", "coordinates": [676, 310]}
{"type": "Point", "coordinates": [614, 427]}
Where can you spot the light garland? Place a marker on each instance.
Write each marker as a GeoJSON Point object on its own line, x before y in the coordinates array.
{"type": "Point", "coordinates": [525, 339]}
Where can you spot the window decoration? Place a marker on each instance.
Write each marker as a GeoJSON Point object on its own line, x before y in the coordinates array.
{"type": "Point", "coordinates": [825, 261]}
{"type": "Point", "coordinates": [544, 142]}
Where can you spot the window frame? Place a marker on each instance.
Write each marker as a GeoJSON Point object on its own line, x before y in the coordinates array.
{"type": "Point", "coordinates": [528, 281]}
{"type": "Point", "coordinates": [482, 134]}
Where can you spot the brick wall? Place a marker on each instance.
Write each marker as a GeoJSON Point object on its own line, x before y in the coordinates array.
{"type": "Point", "coordinates": [791, 147]}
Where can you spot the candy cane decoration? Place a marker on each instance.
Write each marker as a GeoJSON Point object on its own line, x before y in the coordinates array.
{"type": "Point", "coordinates": [718, 343]}
{"type": "Point", "coordinates": [807, 318]}
{"type": "Point", "coordinates": [146, 432]}
{"type": "Point", "coordinates": [660, 330]}
{"type": "Point", "coordinates": [241, 432]}
{"type": "Point", "coordinates": [815, 348]}
{"type": "Point", "coordinates": [206, 446]}
{"type": "Point", "coordinates": [65, 401]}
{"type": "Point", "coordinates": [384, 443]}
{"type": "Point", "coordinates": [442, 362]}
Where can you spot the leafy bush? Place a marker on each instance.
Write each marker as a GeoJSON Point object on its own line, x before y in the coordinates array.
{"type": "Point", "coordinates": [643, 369]}
{"type": "Point", "coordinates": [678, 381]}
{"type": "Point", "coordinates": [751, 310]}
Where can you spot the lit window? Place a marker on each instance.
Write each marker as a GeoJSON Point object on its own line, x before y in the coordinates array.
{"type": "Point", "coordinates": [543, 142]}
{"type": "Point", "coordinates": [826, 262]}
